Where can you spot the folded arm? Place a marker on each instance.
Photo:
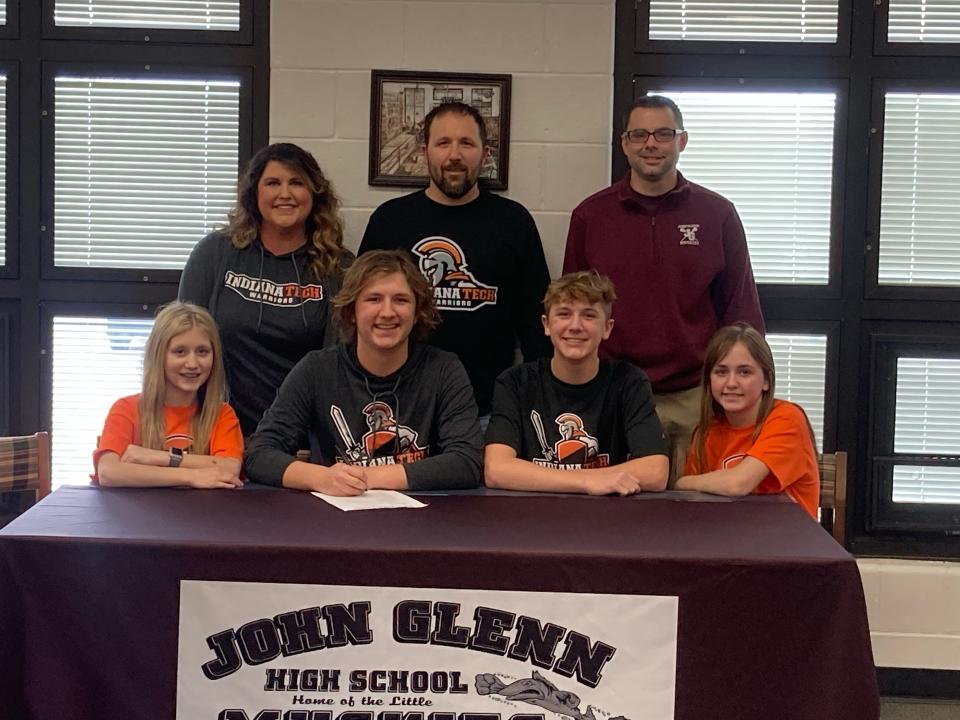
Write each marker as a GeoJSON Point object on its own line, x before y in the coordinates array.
{"type": "Point", "coordinates": [732, 482]}
{"type": "Point", "coordinates": [504, 470]}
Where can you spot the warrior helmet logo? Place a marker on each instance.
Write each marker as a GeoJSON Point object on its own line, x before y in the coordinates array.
{"type": "Point", "coordinates": [576, 448]}
{"type": "Point", "coordinates": [444, 265]}
{"type": "Point", "coordinates": [385, 439]}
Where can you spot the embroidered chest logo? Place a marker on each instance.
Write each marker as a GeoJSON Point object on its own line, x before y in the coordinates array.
{"type": "Point", "coordinates": [271, 293]}
{"type": "Point", "coordinates": [386, 441]}
{"type": "Point", "coordinates": [444, 265]}
{"type": "Point", "coordinates": [576, 449]}
{"type": "Point", "coordinates": [688, 234]}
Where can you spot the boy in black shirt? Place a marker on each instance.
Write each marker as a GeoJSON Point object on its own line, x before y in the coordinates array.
{"type": "Point", "coordinates": [575, 423]}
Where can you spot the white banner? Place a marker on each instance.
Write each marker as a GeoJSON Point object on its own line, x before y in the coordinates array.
{"type": "Point", "coordinates": [270, 651]}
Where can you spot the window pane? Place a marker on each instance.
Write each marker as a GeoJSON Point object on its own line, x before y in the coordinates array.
{"type": "Point", "coordinates": [771, 154]}
{"type": "Point", "coordinates": [175, 14]}
{"type": "Point", "coordinates": [931, 21]}
{"type": "Point", "coordinates": [96, 361]}
{"type": "Point", "coordinates": [926, 484]}
{"type": "Point", "coordinates": [801, 362]}
{"type": "Point", "coordinates": [143, 169]}
{"type": "Point", "coordinates": [920, 194]}
{"type": "Point", "coordinates": [748, 20]}
{"type": "Point", "coordinates": [3, 170]}
{"type": "Point", "coordinates": [928, 405]}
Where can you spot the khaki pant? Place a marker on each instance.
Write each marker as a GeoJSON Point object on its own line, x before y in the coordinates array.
{"type": "Point", "coordinates": [679, 413]}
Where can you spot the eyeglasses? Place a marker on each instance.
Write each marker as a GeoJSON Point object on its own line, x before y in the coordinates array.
{"type": "Point", "coordinates": [660, 134]}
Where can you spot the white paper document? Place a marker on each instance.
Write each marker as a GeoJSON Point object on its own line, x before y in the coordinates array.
{"type": "Point", "coordinates": [372, 500]}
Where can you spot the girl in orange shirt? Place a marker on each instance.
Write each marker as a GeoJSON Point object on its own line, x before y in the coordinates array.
{"type": "Point", "coordinates": [178, 430]}
{"type": "Point", "coordinates": [747, 441]}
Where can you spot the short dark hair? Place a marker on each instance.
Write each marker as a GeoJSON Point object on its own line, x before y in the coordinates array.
{"type": "Point", "coordinates": [653, 101]}
{"type": "Point", "coordinates": [384, 262]}
{"type": "Point", "coordinates": [454, 108]}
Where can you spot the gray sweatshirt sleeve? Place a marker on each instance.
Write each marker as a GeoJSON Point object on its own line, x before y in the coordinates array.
{"type": "Point", "coordinates": [284, 428]}
{"type": "Point", "coordinates": [198, 280]}
{"type": "Point", "coordinates": [458, 464]}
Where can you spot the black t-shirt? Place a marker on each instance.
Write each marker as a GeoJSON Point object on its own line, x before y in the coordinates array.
{"type": "Point", "coordinates": [488, 272]}
{"type": "Point", "coordinates": [606, 421]}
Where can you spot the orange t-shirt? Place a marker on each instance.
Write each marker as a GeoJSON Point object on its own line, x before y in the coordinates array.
{"type": "Point", "coordinates": [122, 428]}
{"type": "Point", "coordinates": [784, 446]}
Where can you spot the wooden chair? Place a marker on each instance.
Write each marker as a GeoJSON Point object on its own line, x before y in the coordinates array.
{"type": "Point", "coordinates": [24, 466]}
{"type": "Point", "coordinates": [833, 493]}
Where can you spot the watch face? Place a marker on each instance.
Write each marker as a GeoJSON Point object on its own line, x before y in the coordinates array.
{"type": "Point", "coordinates": [177, 451]}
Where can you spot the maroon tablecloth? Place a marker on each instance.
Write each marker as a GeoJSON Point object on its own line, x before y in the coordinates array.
{"type": "Point", "coordinates": [772, 621]}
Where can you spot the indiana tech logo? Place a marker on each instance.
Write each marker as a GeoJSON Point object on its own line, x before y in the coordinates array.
{"type": "Point", "coordinates": [386, 442]}
{"type": "Point", "coordinates": [263, 290]}
{"type": "Point", "coordinates": [444, 265]}
{"type": "Point", "coordinates": [576, 448]}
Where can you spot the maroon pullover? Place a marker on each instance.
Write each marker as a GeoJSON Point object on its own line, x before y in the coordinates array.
{"type": "Point", "coordinates": [681, 270]}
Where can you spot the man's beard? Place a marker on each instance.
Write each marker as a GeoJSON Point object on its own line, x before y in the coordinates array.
{"type": "Point", "coordinates": [454, 191]}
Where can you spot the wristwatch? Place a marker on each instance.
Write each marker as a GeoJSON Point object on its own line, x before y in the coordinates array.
{"type": "Point", "coordinates": [176, 457]}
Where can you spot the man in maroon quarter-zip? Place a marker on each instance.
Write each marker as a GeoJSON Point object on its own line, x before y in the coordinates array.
{"type": "Point", "coordinates": [676, 253]}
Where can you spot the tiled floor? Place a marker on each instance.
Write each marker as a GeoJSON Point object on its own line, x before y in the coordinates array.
{"type": "Point", "coordinates": [907, 709]}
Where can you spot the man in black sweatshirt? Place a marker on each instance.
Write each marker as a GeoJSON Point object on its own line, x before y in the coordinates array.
{"type": "Point", "coordinates": [480, 252]}
{"type": "Point", "coordinates": [379, 410]}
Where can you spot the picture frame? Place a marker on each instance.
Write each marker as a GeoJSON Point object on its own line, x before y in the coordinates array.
{"type": "Point", "coordinates": [399, 101]}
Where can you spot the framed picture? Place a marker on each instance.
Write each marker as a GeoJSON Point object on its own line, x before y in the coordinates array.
{"type": "Point", "coordinates": [400, 100]}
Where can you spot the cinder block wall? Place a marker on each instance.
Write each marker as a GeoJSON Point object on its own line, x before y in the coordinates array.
{"type": "Point", "coordinates": [560, 55]}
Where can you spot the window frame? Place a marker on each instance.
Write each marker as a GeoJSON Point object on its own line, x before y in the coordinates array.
{"type": "Point", "coordinates": [874, 289]}
{"type": "Point", "coordinates": [51, 70]}
{"type": "Point", "coordinates": [11, 29]}
{"type": "Point", "coordinates": [888, 343]}
{"type": "Point", "coordinates": [48, 311]}
{"type": "Point", "coordinates": [644, 44]}
{"type": "Point", "coordinates": [643, 83]}
{"type": "Point", "coordinates": [11, 264]}
{"type": "Point", "coordinates": [148, 35]}
{"type": "Point", "coordinates": [831, 381]}
{"type": "Point", "coordinates": [882, 46]}
{"type": "Point", "coordinates": [9, 311]}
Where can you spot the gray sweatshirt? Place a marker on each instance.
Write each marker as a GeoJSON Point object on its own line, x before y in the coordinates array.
{"type": "Point", "coordinates": [271, 310]}
{"type": "Point", "coordinates": [423, 415]}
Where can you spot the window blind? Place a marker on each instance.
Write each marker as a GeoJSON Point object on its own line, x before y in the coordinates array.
{"type": "Point", "coordinates": [801, 362]}
{"type": "Point", "coordinates": [801, 21]}
{"type": "Point", "coordinates": [928, 404]}
{"type": "Point", "coordinates": [920, 193]}
{"type": "Point", "coordinates": [96, 361]}
{"type": "Point", "coordinates": [771, 154]}
{"type": "Point", "coordinates": [143, 168]}
{"type": "Point", "coordinates": [171, 14]}
{"type": "Point", "coordinates": [924, 21]}
{"type": "Point", "coordinates": [3, 170]}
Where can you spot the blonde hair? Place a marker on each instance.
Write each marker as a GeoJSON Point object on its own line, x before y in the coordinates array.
{"type": "Point", "coordinates": [587, 286]}
{"type": "Point", "coordinates": [172, 320]}
{"type": "Point", "coordinates": [324, 230]}
{"type": "Point", "coordinates": [720, 344]}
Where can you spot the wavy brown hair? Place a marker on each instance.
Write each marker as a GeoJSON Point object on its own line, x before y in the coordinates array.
{"type": "Point", "coordinates": [324, 230]}
{"type": "Point", "coordinates": [172, 320]}
{"type": "Point", "coordinates": [720, 344]}
{"type": "Point", "coordinates": [359, 275]}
